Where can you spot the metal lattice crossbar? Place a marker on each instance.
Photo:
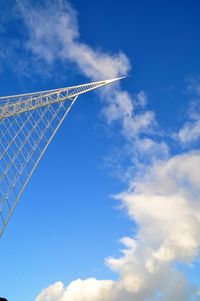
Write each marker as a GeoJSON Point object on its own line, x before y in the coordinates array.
{"type": "Point", "coordinates": [28, 123]}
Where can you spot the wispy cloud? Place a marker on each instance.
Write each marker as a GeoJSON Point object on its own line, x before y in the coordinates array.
{"type": "Point", "coordinates": [162, 200]}
{"type": "Point", "coordinates": [190, 131]}
{"type": "Point", "coordinates": [53, 35]}
{"type": "Point", "coordinates": [56, 37]}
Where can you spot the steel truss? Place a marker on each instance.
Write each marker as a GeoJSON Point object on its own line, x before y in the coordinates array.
{"type": "Point", "coordinates": [28, 123]}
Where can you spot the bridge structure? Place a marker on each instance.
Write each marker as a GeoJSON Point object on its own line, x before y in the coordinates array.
{"type": "Point", "coordinates": [28, 123]}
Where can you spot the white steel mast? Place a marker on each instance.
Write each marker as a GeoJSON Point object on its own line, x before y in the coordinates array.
{"type": "Point", "coordinates": [28, 123]}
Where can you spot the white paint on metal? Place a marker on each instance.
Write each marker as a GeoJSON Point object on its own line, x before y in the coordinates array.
{"type": "Point", "coordinates": [28, 123]}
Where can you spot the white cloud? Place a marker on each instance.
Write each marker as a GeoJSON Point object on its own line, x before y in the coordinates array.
{"type": "Point", "coordinates": [79, 290]}
{"type": "Point", "coordinates": [53, 292]}
{"type": "Point", "coordinates": [53, 34]}
{"type": "Point", "coordinates": [190, 131]}
{"type": "Point", "coordinates": [163, 200]}
{"type": "Point", "coordinates": [165, 205]}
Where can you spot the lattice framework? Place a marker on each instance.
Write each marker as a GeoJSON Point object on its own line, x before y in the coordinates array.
{"type": "Point", "coordinates": [28, 123]}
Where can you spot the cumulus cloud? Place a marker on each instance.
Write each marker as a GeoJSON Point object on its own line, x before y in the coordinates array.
{"type": "Point", "coordinates": [54, 292]}
{"type": "Point", "coordinates": [163, 197]}
{"type": "Point", "coordinates": [165, 205]}
{"type": "Point", "coordinates": [84, 290]}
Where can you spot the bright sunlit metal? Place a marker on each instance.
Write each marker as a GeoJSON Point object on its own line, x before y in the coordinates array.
{"type": "Point", "coordinates": [28, 123]}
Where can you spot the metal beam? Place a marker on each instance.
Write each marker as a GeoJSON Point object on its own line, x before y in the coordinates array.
{"type": "Point", "coordinates": [28, 123]}
{"type": "Point", "coordinates": [17, 104]}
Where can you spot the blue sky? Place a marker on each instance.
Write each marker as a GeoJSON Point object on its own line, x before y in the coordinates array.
{"type": "Point", "coordinates": [125, 163]}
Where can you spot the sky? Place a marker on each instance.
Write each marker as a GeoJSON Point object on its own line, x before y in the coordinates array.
{"type": "Point", "coordinates": [113, 210]}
